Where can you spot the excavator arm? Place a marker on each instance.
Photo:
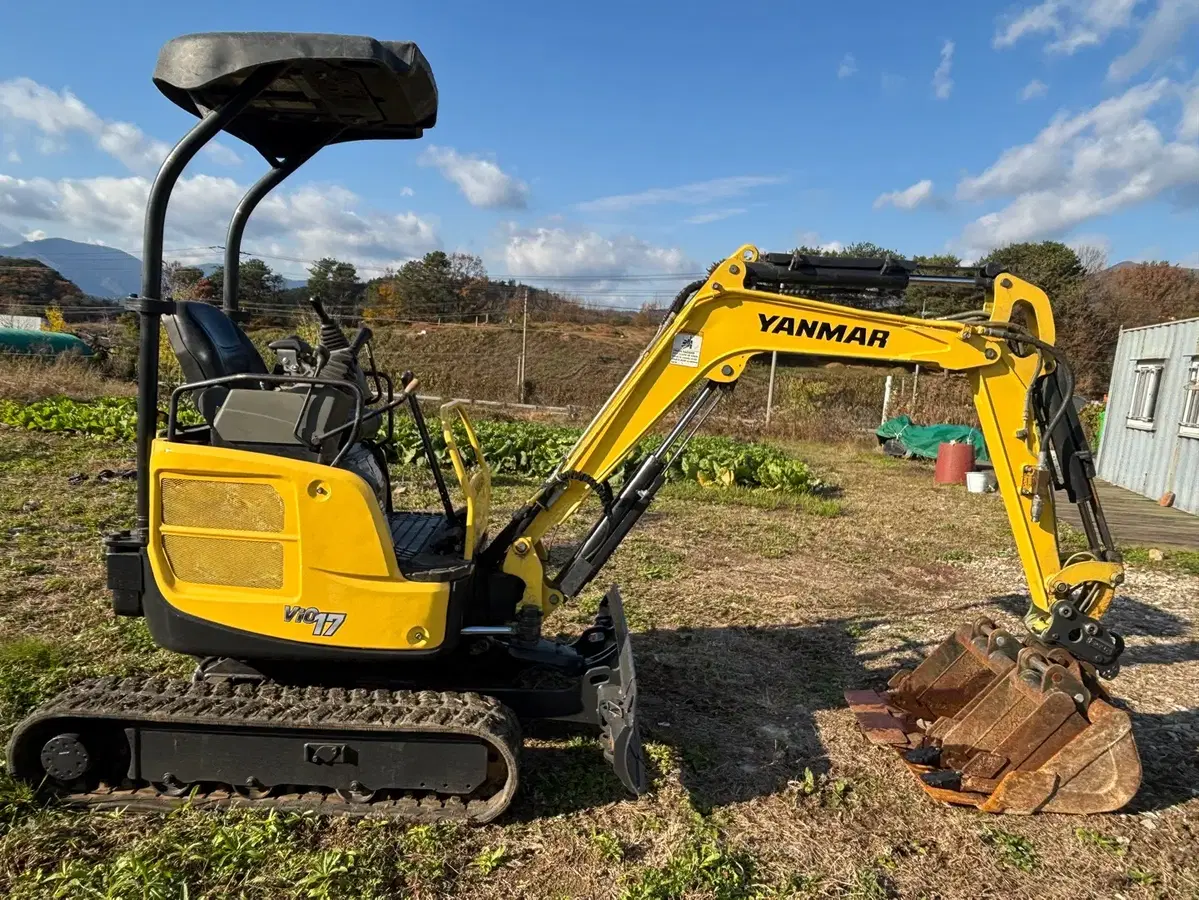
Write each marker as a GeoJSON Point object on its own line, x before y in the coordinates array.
{"type": "Point", "coordinates": [988, 719]}
{"type": "Point", "coordinates": [1021, 391]}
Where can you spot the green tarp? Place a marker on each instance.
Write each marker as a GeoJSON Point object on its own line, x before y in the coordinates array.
{"type": "Point", "coordinates": [51, 343]}
{"type": "Point", "coordinates": [923, 440]}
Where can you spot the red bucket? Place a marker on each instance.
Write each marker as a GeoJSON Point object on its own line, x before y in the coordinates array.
{"type": "Point", "coordinates": [953, 462]}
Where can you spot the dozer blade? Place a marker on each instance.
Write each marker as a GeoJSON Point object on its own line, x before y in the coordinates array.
{"type": "Point", "coordinates": [985, 721]}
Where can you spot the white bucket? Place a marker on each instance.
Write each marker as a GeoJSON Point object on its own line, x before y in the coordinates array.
{"type": "Point", "coordinates": [978, 482]}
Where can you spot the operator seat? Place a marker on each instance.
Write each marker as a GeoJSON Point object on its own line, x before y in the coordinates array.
{"type": "Point", "coordinates": [208, 344]}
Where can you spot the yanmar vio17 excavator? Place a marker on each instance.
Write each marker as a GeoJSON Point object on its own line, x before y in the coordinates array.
{"type": "Point", "coordinates": [358, 659]}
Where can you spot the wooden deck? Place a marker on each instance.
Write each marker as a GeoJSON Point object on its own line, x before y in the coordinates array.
{"type": "Point", "coordinates": [1137, 521]}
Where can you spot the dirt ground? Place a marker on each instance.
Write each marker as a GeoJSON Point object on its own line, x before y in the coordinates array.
{"type": "Point", "coordinates": [751, 617]}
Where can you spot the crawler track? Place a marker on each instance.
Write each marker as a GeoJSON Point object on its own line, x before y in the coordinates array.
{"type": "Point", "coordinates": [117, 717]}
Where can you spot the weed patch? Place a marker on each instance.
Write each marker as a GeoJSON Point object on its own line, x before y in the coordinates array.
{"type": "Point", "coordinates": [703, 862]}
{"type": "Point", "coordinates": [1101, 841]}
{"type": "Point", "coordinates": [1012, 849]}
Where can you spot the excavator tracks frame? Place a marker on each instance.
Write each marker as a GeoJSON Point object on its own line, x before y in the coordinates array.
{"type": "Point", "coordinates": [217, 725]}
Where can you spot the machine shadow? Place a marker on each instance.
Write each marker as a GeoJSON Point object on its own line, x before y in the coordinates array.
{"type": "Point", "coordinates": [1170, 766]}
{"type": "Point", "coordinates": [735, 703]}
{"type": "Point", "coordinates": [738, 706]}
{"type": "Point", "coordinates": [1127, 615]}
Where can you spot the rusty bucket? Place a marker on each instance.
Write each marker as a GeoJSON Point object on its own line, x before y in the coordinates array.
{"type": "Point", "coordinates": [986, 721]}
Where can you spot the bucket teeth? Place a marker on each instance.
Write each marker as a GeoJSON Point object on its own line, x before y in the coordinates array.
{"type": "Point", "coordinates": [985, 721]}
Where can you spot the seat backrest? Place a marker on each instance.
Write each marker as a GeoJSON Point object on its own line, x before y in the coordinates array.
{"type": "Point", "coordinates": [208, 344]}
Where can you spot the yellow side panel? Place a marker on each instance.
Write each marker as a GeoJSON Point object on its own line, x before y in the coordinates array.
{"type": "Point", "coordinates": [257, 542]}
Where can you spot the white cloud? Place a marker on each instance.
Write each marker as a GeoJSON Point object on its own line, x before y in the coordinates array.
{"type": "Point", "coordinates": [714, 215]}
{"type": "Point", "coordinates": [1033, 20]}
{"type": "Point", "coordinates": [14, 157]}
{"type": "Point", "coordinates": [1162, 31]}
{"type": "Point", "coordinates": [222, 155]}
{"type": "Point", "coordinates": [848, 66]}
{"type": "Point", "coordinates": [308, 222]}
{"type": "Point", "coordinates": [565, 251]}
{"type": "Point", "coordinates": [55, 115]}
{"type": "Point", "coordinates": [908, 198]}
{"type": "Point", "coordinates": [406, 191]}
{"type": "Point", "coordinates": [1043, 162]}
{"type": "Point", "coordinates": [482, 182]}
{"type": "Point", "coordinates": [812, 239]}
{"type": "Point", "coordinates": [1072, 24]}
{"type": "Point", "coordinates": [688, 194]}
{"type": "Point", "coordinates": [36, 235]}
{"type": "Point", "coordinates": [1081, 167]}
{"type": "Point", "coordinates": [1035, 88]}
{"type": "Point", "coordinates": [1188, 126]}
{"type": "Point", "coordinates": [942, 82]}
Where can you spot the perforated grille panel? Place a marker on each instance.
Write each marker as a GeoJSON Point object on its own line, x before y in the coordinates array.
{"type": "Point", "coordinates": [237, 563]}
{"type": "Point", "coordinates": [230, 506]}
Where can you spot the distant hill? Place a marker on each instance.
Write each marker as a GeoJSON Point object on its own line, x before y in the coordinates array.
{"type": "Point", "coordinates": [98, 270]}
{"type": "Point", "coordinates": [28, 285]}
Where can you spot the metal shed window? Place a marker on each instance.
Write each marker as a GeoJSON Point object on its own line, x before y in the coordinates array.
{"type": "Point", "coordinates": [1190, 404]}
{"type": "Point", "coordinates": [1147, 377]}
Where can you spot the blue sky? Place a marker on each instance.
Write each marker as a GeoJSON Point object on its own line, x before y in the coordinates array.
{"type": "Point", "coordinates": [646, 138]}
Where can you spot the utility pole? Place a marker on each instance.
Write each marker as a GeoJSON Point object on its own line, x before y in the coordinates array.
{"type": "Point", "coordinates": [774, 358]}
{"type": "Point", "coordinates": [916, 377]}
{"type": "Point", "coordinates": [524, 343]}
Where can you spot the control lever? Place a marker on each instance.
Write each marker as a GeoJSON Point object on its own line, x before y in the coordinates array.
{"type": "Point", "coordinates": [408, 382]}
{"type": "Point", "coordinates": [364, 334]}
{"type": "Point", "coordinates": [332, 336]}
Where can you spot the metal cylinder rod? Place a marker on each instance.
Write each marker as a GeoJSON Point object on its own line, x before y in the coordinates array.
{"type": "Point", "coordinates": [966, 280]}
{"type": "Point", "coordinates": [152, 239]}
{"type": "Point", "coordinates": [685, 419]}
{"type": "Point", "coordinates": [237, 225]}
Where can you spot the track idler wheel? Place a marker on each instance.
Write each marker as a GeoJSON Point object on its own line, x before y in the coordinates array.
{"type": "Point", "coordinates": [985, 721]}
{"type": "Point", "coordinates": [65, 758]}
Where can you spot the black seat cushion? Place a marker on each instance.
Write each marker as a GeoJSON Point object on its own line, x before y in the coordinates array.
{"type": "Point", "coordinates": [333, 87]}
{"type": "Point", "coordinates": [208, 344]}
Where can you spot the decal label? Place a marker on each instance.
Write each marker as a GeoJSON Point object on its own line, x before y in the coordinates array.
{"type": "Point", "coordinates": [324, 624]}
{"type": "Point", "coordinates": [824, 331]}
{"type": "Point", "coordinates": [685, 350]}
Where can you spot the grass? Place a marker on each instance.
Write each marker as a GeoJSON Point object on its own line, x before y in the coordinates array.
{"type": "Point", "coordinates": [750, 614]}
{"type": "Point", "coordinates": [1012, 849]}
{"type": "Point", "coordinates": [1179, 560]}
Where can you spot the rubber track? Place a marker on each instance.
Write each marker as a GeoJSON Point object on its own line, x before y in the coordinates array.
{"type": "Point", "coordinates": [165, 701]}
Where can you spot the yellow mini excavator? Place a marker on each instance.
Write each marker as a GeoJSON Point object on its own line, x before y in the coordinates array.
{"type": "Point", "coordinates": [358, 659]}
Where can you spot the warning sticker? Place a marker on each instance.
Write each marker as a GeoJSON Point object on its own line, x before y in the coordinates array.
{"type": "Point", "coordinates": [685, 350]}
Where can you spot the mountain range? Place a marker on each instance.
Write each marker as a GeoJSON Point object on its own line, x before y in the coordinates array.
{"type": "Point", "coordinates": [99, 271]}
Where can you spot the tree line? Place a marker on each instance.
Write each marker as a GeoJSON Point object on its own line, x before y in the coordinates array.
{"type": "Point", "coordinates": [1091, 301]}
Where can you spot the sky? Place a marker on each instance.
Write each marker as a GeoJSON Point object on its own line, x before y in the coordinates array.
{"type": "Point", "coordinates": [595, 142]}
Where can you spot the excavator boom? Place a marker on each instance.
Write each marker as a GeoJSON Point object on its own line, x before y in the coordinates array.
{"type": "Point", "coordinates": [988, 719]}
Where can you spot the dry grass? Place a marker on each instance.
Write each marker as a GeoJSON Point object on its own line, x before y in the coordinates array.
{"type": "Point", "coordinates": [750, 622]}
{"type": "Point", "coordinates": [26, 378]}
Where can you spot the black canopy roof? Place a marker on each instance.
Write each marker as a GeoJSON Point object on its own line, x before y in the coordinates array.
{"type": "Point", "coordinates": [331, 87]}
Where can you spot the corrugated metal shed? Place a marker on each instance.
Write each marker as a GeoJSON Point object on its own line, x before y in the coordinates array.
{"type": "Point", "coordinates": [1158, 453]}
